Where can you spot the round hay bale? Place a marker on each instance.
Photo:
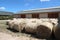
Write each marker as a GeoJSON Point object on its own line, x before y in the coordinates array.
{"type": "Point", "coordinates": [45, 19]}
{"type": "Point", "coordinates": [44, 30]}
{"type": "Point", "coordinates": [54, 21]}
{"type": "Point", "coordinates": [19, 25]}
{"type": "Point", "coordinates": [57, 31]}
{"type": "Point", "coordinates": [11, 23]}
{"type": "Point", "coordinates": [7, 22]}
{"type": "Point", "coordinates": [31, 25]}
{"type": "Point", "coordinates": [16, 26]}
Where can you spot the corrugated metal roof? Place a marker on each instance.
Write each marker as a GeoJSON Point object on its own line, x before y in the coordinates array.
{"type": "Point", "coordinates": [52, 9]}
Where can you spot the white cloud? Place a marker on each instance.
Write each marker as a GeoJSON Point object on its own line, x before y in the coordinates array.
{"type": "Point", "coordinates": [2, 8]}
{"type": "Point", "coordinates": [44, 0]}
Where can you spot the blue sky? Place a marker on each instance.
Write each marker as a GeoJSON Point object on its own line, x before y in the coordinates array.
{"type": "Point", "coordinates": [19, 5]}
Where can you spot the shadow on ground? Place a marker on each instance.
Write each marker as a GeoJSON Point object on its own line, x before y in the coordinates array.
{"type": "Point", "coordinates": [12, 30]}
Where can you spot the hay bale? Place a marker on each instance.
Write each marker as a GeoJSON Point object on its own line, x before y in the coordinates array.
{"type": "Point", "coordinates": [44, 30]}
{"type": "Point", "coordinates": [19, 25]}
{"type": "Point", "coordinates": [11, 23]}
{"type": "Point", "coordinates": [57, 31]}
{"type": "Point", "coordinates": [45, 19]}
{"type": "Point", "coordinates": [7, 22]}
{"type": "Point", "coordinates": [16, 26]}
{"type": "Point", "coordinates": [54, 21]}
{"type": "Point", "coordinates": [31, 25]}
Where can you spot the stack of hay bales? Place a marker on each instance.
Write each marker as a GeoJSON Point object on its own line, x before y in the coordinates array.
{"type": "Point", "coordinates": [19, 25]}
{"type": "Point", "coordinates": [42, 27]}
{"type": "Point", "coordinates": [31, 25]}
{"type": "Point", "coordinates": [44, 30]}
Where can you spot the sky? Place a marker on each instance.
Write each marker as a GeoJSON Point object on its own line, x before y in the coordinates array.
{"type": "Point", "coordinates": [20, 5]}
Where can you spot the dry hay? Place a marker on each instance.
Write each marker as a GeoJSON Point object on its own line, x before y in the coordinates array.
{"type": "Point", "coordinates": [31, 25]}
{"type": "Point", "coordinates": [19, 25]}
{"type": "Point", "coordinates": [11, 23]}
{"type": "Point", "coordinates": [57, 31]}
{"type": "Point", "coordinates": [45, 19]}
{"type": "Point", "coordinates": [44, 30]}
{"type": "Point", "coordinates": [16, 26]}
{"type": "Point", "coordinates": [7, 22]}
{"type": "Point", "coordinates": [54, 21]}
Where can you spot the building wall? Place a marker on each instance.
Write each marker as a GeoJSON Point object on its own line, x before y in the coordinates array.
{"type": "Point", "coordinates": [28, 16]}
{"type": "Point", "coordinates": [43, 15]}
{"type": "Point", "coordinates": [19, 16]}
{"type": "Point", "coordinates": [38, 15]}
{"type": "Point", "coordinates": [23, 16]}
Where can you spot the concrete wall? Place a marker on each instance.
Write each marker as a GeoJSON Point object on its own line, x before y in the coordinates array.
{"type": "Point", "coordinates": [28, 15]}
{"type": "Point", "coordinates": [43, 15]}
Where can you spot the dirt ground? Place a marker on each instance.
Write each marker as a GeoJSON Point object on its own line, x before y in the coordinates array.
{"type": "Point", "coordinates": [21, 36]}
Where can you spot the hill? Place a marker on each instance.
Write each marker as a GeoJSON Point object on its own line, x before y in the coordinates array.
{"type": "Point", "coordinates": [6, 13]}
